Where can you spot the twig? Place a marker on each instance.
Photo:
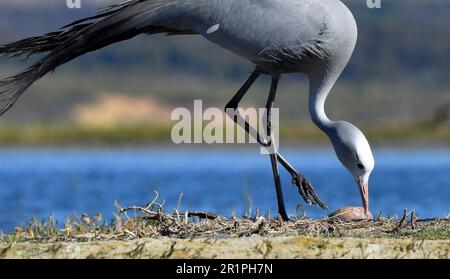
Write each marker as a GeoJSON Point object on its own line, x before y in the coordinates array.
{"type": "Point", "coordinates": [153, 201]}
{"type": "Point", "coordinates": [160, 205]}
{"type": "Point", "coordinates": [130, 233]}
{"type": "Point", "coordinates": [379, 216]}
{"type": "Point", "coordinates": [401, 221]}
{"type": "Point", "coordinates": [177, 214]}
{"type": "Point", "coordinates": [203, 215]}
{"type": "Point", "coordinates": [257, 225]}
{"type": "Point", "coordinates": [149, 213]}
{"type": "Point", "coordinates": [179, 201]}
{"type": "Point", "coordinates": [254, 228]}
{"type": "Point", "coordinates": [250, 206]}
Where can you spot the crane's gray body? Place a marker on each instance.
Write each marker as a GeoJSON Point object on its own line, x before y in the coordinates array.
{"type": "Point", "coordinates": [277, 35]}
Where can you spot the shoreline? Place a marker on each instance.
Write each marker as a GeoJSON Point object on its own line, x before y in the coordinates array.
{"type": "Point", "coordinates": [185, 235]}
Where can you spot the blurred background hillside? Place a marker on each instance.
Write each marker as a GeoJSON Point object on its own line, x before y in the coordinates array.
{"type": "Point", "coordinates": [397, 84]}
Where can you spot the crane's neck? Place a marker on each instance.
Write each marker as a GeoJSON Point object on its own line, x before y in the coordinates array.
{"type": "Point", "coordinates": [320, 87]}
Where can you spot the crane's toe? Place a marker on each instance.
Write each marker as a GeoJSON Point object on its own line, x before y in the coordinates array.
{"type": "Point", "coordinates": [307, 192]}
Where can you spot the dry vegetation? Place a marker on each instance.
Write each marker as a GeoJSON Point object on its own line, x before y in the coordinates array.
{"type": "Point", "coordinates": [189, 225]}
{"type": "Point", "coordinates": [149, 232]}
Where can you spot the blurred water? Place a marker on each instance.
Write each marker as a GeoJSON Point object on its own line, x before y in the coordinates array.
{"type": "Point", "coordinates": [38, 183]}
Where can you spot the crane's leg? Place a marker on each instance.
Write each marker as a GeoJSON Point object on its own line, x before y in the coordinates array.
{"type": "Point", "coordinates": [273, 155]}
{"type": "Point", "coordinates": [233, 104]}
{"type": "Point", "coordinates": [305, 189]}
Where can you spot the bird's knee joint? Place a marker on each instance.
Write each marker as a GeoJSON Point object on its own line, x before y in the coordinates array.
{"type": "Point", "coordinates": [231, 108]}
{"type": "Point", "coordinates": [232, 112]}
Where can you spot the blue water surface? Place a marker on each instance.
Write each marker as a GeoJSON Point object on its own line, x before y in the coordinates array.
{"type": "Point", "coordinates": [42, 182]}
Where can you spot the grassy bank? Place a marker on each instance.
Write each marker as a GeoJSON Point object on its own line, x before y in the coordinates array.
{"type": "Point", "coordinates": [251, 247]}
{"type": "Point", "coordinates": [148, 232]}
{"type": "Point", "coordinates": [67, 134]}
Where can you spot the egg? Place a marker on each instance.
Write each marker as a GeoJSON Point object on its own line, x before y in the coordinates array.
{"type": "Point", "coordinates": [350, 213]}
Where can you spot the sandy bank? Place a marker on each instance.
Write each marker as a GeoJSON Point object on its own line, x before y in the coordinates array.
{"type": "Point", "coordinates": [247, 247]}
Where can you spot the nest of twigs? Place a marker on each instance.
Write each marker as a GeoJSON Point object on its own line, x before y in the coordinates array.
{"type": "Point", "coordinates": [152, 221]}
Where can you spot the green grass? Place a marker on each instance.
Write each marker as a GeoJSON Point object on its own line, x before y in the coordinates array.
{"type": "Point", "coordinates": [428, 233]}
{"type": "Point", "coordinates": [76, 135]}
{"type": "Point", "coordinates": [129, 135]}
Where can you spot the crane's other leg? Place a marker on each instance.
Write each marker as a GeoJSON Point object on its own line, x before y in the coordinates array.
{"type": "Point", "coordinates": [305, 189]}
{"type": "Point", "coordinates": [273, 154]}
{"type": "Point", "coordinates": [233, 105]}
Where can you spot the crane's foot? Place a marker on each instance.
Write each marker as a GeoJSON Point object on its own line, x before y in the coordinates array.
{"type": "Point", "coordinates": [305, 189]}
{"type": "Point", "coordinates": [284, 216]}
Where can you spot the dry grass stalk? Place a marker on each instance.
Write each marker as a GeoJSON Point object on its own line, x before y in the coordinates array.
{"type": "Point", "coordinates": [152, 222]}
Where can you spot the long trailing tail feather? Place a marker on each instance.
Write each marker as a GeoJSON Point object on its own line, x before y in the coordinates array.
{"type": "Point", "coordinates": [50, 41]}
{"type": "Point", "coordinates": [35, 45]}
{"type": "Point", "coordinates": [115, 23]}
{"type": "Point", "coordinates": [12, 87]}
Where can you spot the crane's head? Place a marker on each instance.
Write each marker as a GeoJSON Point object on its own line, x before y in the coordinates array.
{"type": "Point", "coordinates": [353, 150]}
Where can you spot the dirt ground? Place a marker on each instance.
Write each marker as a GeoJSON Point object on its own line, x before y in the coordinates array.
{"type": "Point", "coordinates": [254, 247]}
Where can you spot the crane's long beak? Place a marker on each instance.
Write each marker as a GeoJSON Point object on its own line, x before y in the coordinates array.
{"type": "Point", "coordinates": [364, 191]}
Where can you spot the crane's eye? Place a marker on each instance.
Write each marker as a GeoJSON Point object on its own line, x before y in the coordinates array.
{"type": "Point", "coordinates": [360, 166]}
